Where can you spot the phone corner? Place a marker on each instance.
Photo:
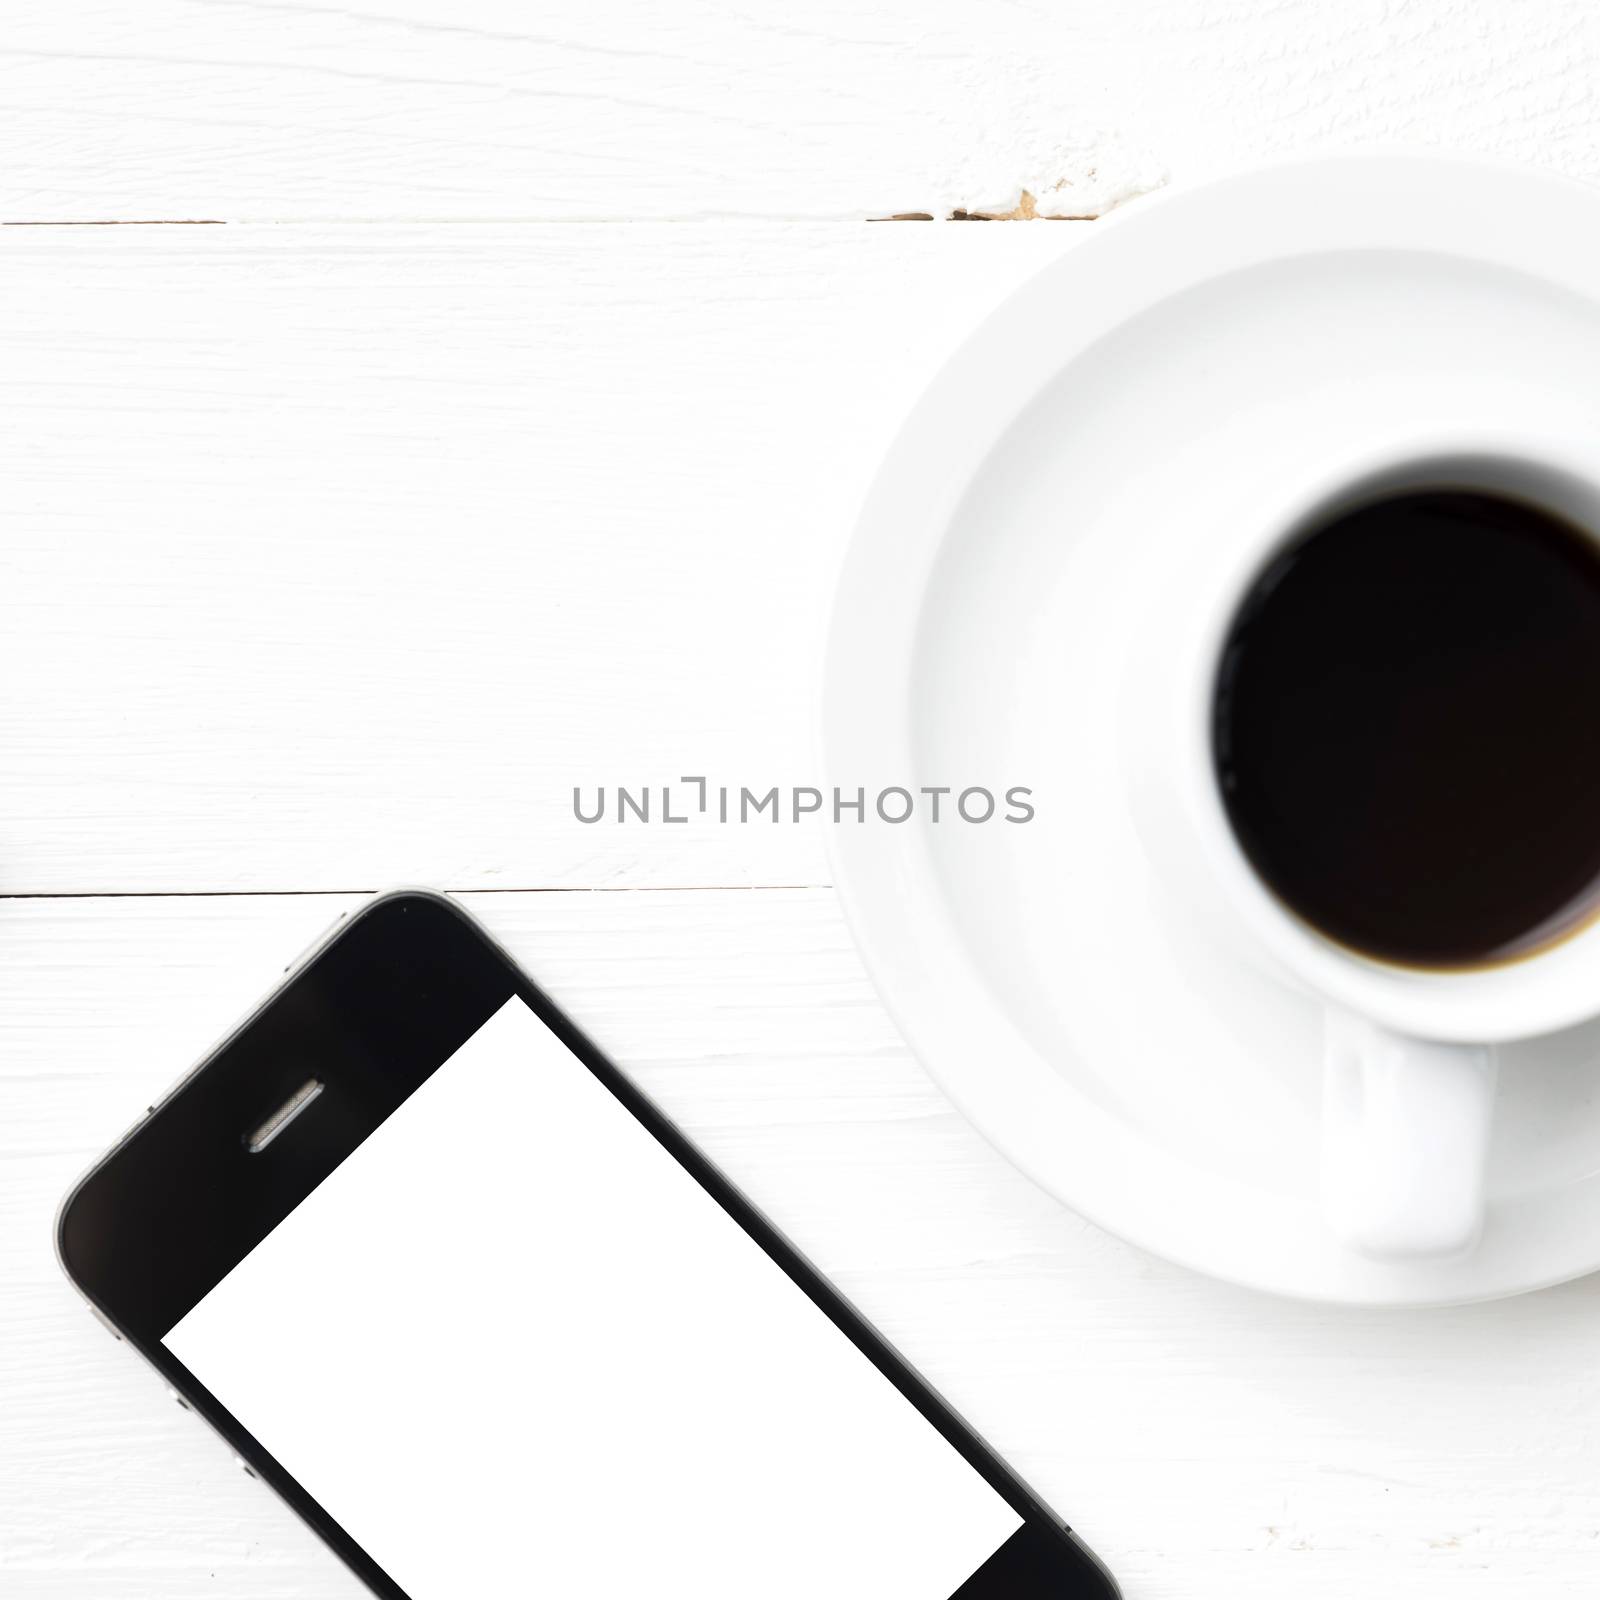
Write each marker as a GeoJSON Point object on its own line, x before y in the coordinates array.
{"type": "Point", "coordinates": [405, 899]}
{"type": "Point", "coordinates": [62, 1243]}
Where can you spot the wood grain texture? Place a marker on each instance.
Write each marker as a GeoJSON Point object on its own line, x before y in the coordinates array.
{"type": "Point", "coordinates": [1210, 1442]}
{"type": "Point", "coordinates": [335, 552]}
{"type": "Point", "coordinates": [339, 558]}
{"type": "Point", "coordinates": [404, 109]}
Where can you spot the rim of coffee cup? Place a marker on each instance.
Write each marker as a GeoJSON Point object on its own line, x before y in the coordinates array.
{"type": "Point", "coordinates": [1554, 986]}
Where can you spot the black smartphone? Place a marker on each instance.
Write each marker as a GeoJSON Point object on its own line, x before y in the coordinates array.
{"type": "Point", "coordinates": [456, 1289]}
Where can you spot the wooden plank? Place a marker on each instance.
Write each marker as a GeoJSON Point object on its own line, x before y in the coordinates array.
{"type": "Point", "coordinates": [484, 109]}
{"type": "Point", "coordinates": [340, 557]}
{"type": "Point", "coordinates": [404, 109]}
{"type": "Point", "coordinates": [1212, 1443]}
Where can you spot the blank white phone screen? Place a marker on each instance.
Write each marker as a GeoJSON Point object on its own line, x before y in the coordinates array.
{"type": "Point", "coordinates": [514, 1349]}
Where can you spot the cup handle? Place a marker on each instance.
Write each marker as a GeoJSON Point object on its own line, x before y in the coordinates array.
{"type": "Point", "coordinates": [1405, 1139]}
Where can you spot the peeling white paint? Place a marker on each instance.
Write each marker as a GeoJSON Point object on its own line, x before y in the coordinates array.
{"type": "Point", "coordinates": [1085, 177]}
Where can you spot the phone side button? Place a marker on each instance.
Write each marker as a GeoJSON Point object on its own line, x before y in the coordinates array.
{"type": "Point", "coordinates": [106, 1323]}
{"type": "Point", "coordinates": [245, 1467]}
{"type": "Point", "coordinates": [317, 943]}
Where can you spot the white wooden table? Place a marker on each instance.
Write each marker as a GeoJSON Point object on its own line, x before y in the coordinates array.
{"type": "Point", "coordinates": [479, 407]}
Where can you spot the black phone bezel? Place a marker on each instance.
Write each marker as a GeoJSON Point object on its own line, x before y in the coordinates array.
{"type": "Point", "coordinates": [391, 995]}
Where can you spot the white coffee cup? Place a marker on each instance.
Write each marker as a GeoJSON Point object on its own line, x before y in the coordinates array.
{"type": "Point", "coordinates": [1409, 1055]}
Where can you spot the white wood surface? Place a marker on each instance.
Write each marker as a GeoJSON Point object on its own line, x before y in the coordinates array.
{"type": "Point", "coordinates": [337, 557]}
{"type": "Point", "coordinates": [290, 109]}
{"type": "Point", "coordinates": [340, 541]}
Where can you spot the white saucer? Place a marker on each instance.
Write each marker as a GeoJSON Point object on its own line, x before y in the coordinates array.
{"type": "Point", "coordinates": [1041, 971]}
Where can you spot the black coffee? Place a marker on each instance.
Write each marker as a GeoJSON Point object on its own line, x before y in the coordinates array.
{"type": "Point", "coordinates": [1407, 727]}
